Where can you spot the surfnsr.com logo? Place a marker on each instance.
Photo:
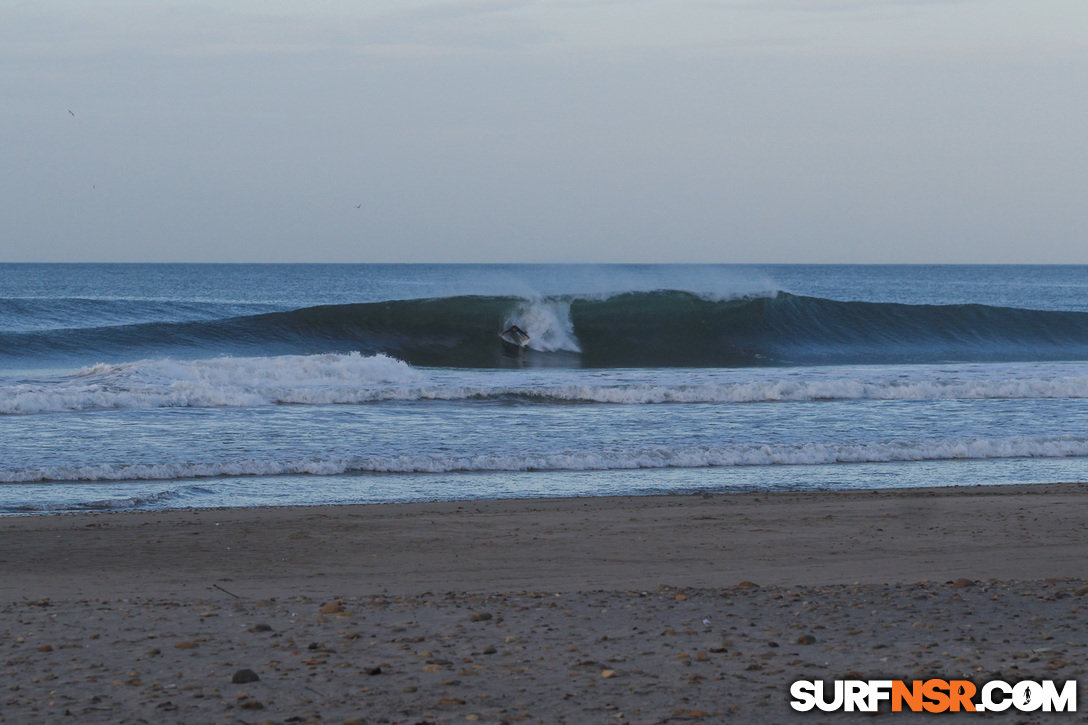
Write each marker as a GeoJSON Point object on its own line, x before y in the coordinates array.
{"type": "Point", "coordinates": [934, 696]}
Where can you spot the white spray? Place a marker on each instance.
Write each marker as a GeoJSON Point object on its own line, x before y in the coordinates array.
{"type": "Point", "coordinates": [547, 321]}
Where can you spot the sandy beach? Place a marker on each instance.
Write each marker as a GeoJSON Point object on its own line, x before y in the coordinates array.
{"type": "Point", "coordinates": [698, 608]}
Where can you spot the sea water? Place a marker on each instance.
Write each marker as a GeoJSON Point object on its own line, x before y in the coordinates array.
{"type": "Point", "coordinates": [168, 386]}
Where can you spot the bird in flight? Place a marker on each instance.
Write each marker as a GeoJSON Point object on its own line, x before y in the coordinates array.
{"type": "Point", "coordinates": [70, 112]}
{"type": "Point", "coordinates": [358, 206]}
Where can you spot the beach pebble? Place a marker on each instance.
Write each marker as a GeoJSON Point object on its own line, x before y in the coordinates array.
{"type": "Point", "coordinates": [1081, 592]}
{"type": "Point", "coordinates": [187, 644]}
{"type": "Point", "coordinates": [332, 608]}
{"type": "Point", "coordinates": [962, 583]}
{"type": "Point", "coordinates": [243, 676]}
{"type": "Point", "coordinates": [806, 639]}
{"type": "Point", "coordinates": [261, 628]}
{"type": "Point", "coordinates": [481, 616]}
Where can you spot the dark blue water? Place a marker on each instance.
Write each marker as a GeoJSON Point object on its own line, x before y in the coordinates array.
{"type": "Point", "coordinates": [217, 385]}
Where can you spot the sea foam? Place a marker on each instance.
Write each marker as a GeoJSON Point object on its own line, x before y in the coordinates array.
{"type": "Point", "coordinates": [344, 379]}
{"type": "Point", "coordinates": [596, 460]}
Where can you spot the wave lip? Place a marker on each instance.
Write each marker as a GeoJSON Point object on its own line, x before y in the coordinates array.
{"type": "Point", "coordinates": [598, 460]}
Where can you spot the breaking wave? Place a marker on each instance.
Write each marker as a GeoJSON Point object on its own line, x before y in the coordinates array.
{"type": "Point", "coordinates": [151, 500]}
{"type": "Point", "coordinates": [352, 379]}
{"type": "Point", "coordinates": [636, 329]}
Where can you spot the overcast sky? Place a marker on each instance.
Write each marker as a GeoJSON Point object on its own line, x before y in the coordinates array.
{"type": "Point", "coordinates": [544, 131]}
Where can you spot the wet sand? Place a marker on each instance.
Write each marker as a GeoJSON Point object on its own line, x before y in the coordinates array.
{"type": "Point", "coordinates": [642, 610]}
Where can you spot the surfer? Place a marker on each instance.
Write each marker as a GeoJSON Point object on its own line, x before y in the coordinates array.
{"type": "Point", "coordinates": [515, 336]}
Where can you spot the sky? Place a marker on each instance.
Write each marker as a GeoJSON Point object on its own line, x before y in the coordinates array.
{"type": "Point", "coordinates": [716, 131]}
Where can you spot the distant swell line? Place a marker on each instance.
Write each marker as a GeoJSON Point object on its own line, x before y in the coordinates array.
{"type": "Point", "coordinates": [604, 460]}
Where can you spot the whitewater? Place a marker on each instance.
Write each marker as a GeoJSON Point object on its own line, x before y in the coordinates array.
{"type": "Point", "coordinates": [352, 378]}
{"type": "Point", "coordinates": [165, 386]}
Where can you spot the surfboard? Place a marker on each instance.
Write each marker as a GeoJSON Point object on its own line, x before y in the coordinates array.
{"type": "Point", "coordinates": [515, 337]}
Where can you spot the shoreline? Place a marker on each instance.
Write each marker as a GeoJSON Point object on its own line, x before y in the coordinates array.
{"type": "Point", "coordinates": [1025, 531]}
{"type": "Point", "coordinates": [630, 610]}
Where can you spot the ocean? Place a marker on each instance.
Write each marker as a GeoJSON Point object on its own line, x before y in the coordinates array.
{"type": "Point", "coordinates": [158, 387]}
